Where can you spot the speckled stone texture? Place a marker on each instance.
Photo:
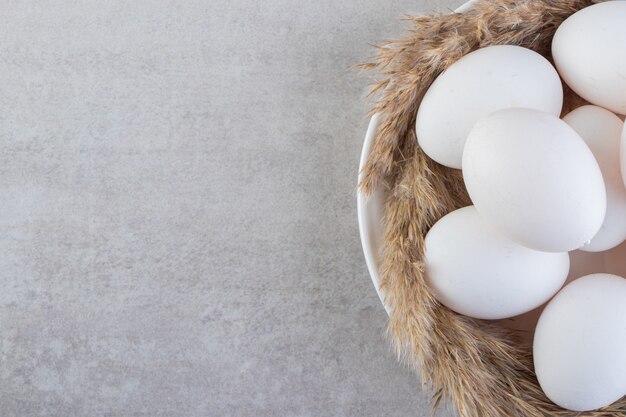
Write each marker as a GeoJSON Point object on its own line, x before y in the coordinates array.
{"type": "Point", "coordinates": [178, 230]}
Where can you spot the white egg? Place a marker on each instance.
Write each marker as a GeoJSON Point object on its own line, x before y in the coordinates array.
{"type": "Point", "coordinates": [579, 344]}
{"type": "Point", "coordinates": [483, 81]}
{"type": "Point", "coordinates": [601, 130]}
{"type": "Point", "coordinates": [533, 178]}
{"type": "Point", "coordinates": [615, 260]}
{"type": "Point", "coordinates": [476, 271]}
{"type": "Point", "coordinates": [588, 52]}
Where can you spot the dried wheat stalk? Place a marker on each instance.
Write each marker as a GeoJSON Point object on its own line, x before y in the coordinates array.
{"type": "Point", "coordinates": [479, 367]}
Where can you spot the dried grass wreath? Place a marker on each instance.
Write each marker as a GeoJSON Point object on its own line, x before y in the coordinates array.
{"type": "Point", "coordinates": [480, 368]}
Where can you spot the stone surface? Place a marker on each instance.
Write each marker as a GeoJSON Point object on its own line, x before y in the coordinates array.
{"type": "Point", "coordinates": [178, 229]}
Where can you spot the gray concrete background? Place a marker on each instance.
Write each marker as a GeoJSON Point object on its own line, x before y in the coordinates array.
{"type": "Point", "coordinates": [178, 229]}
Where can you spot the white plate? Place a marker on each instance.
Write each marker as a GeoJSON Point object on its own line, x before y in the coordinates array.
{"type": "Point", "coordinates": [370, 209]}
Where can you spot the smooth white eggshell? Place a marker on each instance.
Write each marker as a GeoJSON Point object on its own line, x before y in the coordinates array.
{"type": "Point", "coordinates": [476, 271]}
{"type": "Point", "coordinates": [588, 51]}
{"type": "Point", "coordinates": [532, 177]}
{"type": "Point", "coordinates": [579, 344]}
{"type": "Point", "coordinates": [601, 130]}
{"type": "Point", "coordinates": [481, 82]}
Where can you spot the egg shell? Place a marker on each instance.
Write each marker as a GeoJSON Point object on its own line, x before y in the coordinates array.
{"type": "Point", "coordinates": [481, 82]}
{"type": "Point", "coordinates": [588, 51]}
{"type": "Point", "coordinates": [532, 177]}
{"type": "Point", "coordinates": [579, 343]}
{"type": "Point", "coordinates": [601, 130]}
{"type": "Point", "coordinates": [476, 271]}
